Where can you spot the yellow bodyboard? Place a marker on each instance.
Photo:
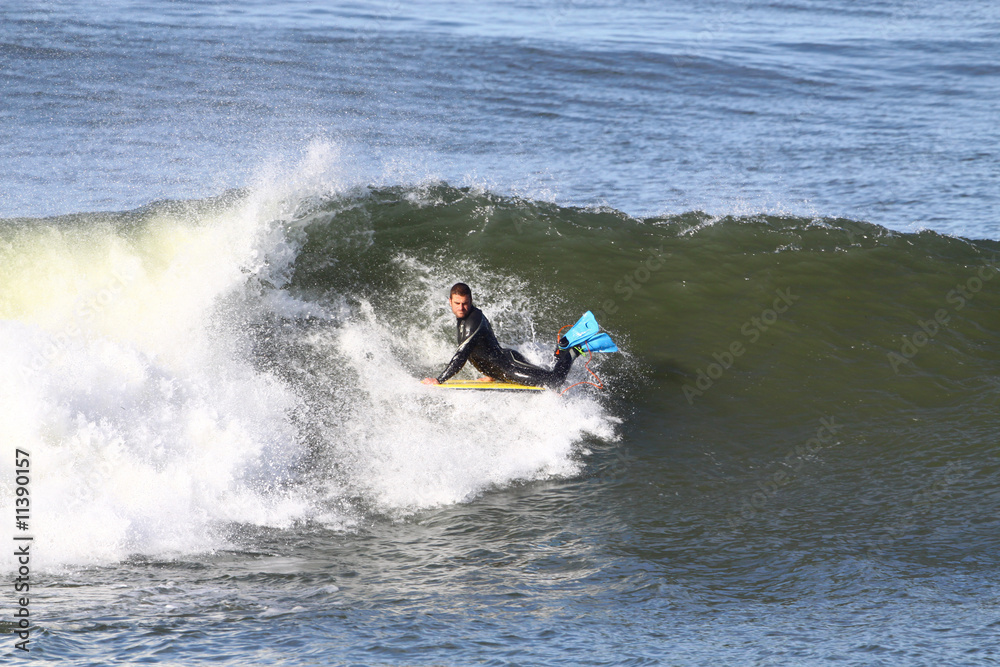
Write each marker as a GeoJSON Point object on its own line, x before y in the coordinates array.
{"type": "Point", "coordinates": [491, 386]}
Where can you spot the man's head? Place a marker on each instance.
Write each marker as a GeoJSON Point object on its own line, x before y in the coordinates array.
{"type": "Point", "coordinates": [460, 300]}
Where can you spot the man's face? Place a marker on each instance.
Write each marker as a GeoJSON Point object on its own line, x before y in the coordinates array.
{"type": "Point", "coordinates": [460, 305]}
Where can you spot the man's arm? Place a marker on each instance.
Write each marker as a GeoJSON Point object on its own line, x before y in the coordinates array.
{"type": "Point", "coordinates": [462, 355]}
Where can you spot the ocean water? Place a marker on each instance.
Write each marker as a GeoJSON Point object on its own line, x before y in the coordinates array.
{"type": "Point", "coordinates": [227, 232]}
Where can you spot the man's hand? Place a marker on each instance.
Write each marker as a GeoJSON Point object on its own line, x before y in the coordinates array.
{"type": "Point", "coordinates": [429, 381]}
{"type": "Point", "coordinates": [486, 378]}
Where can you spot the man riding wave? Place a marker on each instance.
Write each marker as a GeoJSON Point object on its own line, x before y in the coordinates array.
{"type": "Point", "coordinates": [477, 343]}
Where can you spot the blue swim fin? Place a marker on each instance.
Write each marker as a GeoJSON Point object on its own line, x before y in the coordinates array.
{"type": "Point", "coordinates": [586, 334]}
{"type": "Point", "coordinates": [584, 329]}
{"type": "Point", "coordinates": [600, 343]}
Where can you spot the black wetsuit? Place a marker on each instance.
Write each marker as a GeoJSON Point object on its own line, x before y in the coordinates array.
{"type": "Point", "coordinates": [478, 344]}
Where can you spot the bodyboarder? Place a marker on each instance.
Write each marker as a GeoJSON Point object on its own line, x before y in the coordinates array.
{"type": "Point", "coordinates": [477, 343]}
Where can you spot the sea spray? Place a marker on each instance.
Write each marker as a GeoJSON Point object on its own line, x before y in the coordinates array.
{"type": "Point", "coordinates": [148, 425]}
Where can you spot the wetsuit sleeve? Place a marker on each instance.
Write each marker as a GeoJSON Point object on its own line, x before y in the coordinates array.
{"type": "Point", "coordinates": [464, 350]}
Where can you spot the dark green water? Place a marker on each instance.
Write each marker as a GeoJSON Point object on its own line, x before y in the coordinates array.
{"type": "Point", "coordinates": [794, 455]}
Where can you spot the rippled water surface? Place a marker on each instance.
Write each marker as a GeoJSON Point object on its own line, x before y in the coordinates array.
{"type": "Point", "coordinates": [227, 235]}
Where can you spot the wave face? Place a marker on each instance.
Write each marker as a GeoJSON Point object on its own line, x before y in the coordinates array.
{"type": "Point", "coordinates": [186, 370]}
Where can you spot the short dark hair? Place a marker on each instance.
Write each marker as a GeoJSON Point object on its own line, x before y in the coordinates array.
{"type": "Point", "coordinates": [460, 289]}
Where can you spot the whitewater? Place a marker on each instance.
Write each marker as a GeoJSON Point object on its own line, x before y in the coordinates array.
{"type": "Point", "coordinates": [164, 398]}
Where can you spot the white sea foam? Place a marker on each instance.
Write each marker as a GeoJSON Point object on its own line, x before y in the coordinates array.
{"type": "Point", "coordinates": [148, 427]}
{"type": "Point", "coordinates": [152, 424]}
{"type": "Point", "coordinates": [407, 446]}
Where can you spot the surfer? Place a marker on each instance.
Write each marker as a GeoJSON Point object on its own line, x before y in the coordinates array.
{"type": "Point", "coordinates": [478, 344]}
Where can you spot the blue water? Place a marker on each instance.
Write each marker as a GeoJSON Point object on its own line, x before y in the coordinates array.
{"type": "Point", "coordinates": [884, 113]}
{"type": "Point", "coordinates": [225, 235]}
